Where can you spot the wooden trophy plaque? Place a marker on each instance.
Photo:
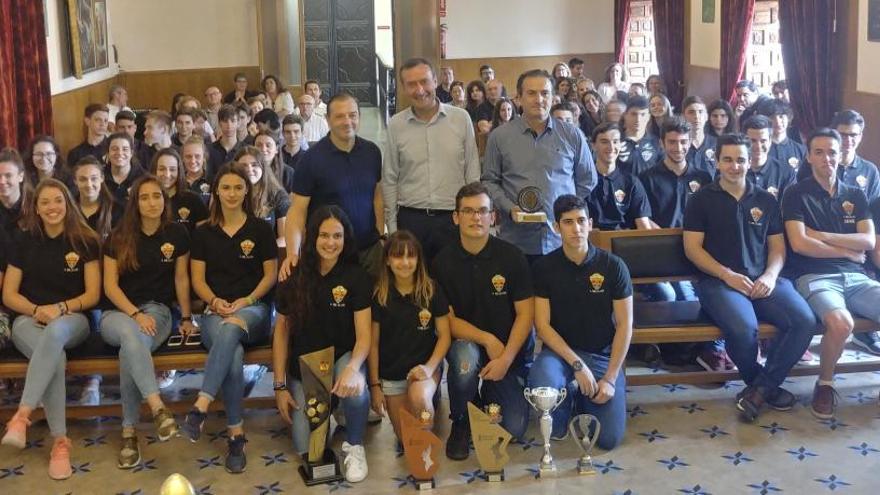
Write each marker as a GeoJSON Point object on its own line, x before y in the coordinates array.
{"type": "Point", "coordinates": [320, 465]}
{"type": "Point", "coordinates": [421, 448]}
{"type": "Point", "coordinates": [490, 440]}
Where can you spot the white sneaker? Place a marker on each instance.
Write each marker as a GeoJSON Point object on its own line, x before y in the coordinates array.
{"type": "Point", "coordinates": [354, 466]}
{"type": "Point", "coordinates": [165, 379]}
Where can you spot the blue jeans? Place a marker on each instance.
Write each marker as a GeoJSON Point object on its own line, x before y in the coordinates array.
{"type": "Point", "coordinates": [667, 291]}
{"type": "Point", "coordinates": [466, 359]}
{"type": "Point", "coordinates": [137, 376]}
{"type": "Point", "coordinates": [737, 316]}
{"type": "Point", "coordinates": [225, 363]}
{"type": "Point", "coordinates": [355, 409]}
{"type": "Point", "coordinates": [44, 346]}
{"type": "Point", "coordinates": [550, 370]}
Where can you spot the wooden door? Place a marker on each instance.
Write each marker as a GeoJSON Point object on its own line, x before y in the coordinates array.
{"type": "Point", "coordinates": [641, 57]}
{"type": "Point", "coordinates": [764, 60]}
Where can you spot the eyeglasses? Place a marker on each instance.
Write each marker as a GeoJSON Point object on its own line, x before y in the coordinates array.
{"type": "Point", "coordinates": [469, 212]}
{"type": "Point", "coordinates": [45, 155]}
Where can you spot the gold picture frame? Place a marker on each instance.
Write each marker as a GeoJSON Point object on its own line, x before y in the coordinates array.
{"type": "Point", "coordinates": [88, 36]}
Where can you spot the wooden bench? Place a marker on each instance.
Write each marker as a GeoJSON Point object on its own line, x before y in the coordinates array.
{"type": "Point", "coordinates": [658, 256]}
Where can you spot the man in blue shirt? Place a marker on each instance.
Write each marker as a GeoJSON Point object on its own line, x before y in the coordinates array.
{"type": "Point", "coordinates": [535, 151]}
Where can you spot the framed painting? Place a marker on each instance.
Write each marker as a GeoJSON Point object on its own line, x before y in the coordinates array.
{"type": "Point", "coordinates": [89, 43]}
{"type": "Point", "coordinates": [708, 11]}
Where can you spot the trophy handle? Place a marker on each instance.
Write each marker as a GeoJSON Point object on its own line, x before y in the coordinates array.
{"type": "Point", "coordinates": [563, 393]}
{"type": "Point", "coordinates": [527, 392]}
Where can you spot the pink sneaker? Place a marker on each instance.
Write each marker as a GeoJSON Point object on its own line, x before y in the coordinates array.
{"type": "Point", "coordinates": [59, 459]}
{"type": "Point", "coordinates": [16, 432]}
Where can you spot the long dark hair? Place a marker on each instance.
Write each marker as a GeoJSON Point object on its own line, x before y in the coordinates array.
{"type": "Point", "coordinates": [731, 118]}
{"type": "Point", "coordinates": [266, 188]}
{"type": "Point", "coordinates": [215, 216]}
{"type": "Point", "coordinates": [302, 288]}
{"type": "Point", "coordinates": [105, 198]}
{"type": "Point", "coordinates": [180, 185]}
{"type": "Point", "coordinates": [76, 231]}
{"type": "Point", "coordinates": [125, 238]}
{"type": "Point", "coordinates": [472, 104]}
{"type": "Point", "coordinates": [59, 171]}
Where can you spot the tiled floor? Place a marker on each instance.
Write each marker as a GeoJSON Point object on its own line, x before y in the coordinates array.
{"type": "Point", "coordinates": [680, 439]}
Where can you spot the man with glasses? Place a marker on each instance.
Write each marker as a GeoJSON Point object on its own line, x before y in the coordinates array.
{"type": "Point", "coordinates": [489, 287]}
{"type": "Point", "coordinates": [241, 93]}
{"type": "Point", "coordinates": [213, 102]}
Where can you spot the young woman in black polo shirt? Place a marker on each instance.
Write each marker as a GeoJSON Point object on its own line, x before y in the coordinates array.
{"type": "Point", "coordinates": [52, 277]}
{"type": "Point", "coordinates": [146, 269]}
{"type": "Point", "coordinates": [97, 205]}
{"type": "Point", "coordinates": [269, 201]}
{"type": "Point", "coordinates": [186, 207]}
{"type": "Point", "coordinates": [410, 334]}
{"type": "Point", "coordinates": [234, 264]}
{"type": "Point", "coordinates": [326, 302]}
{"type": "Point", "coordinates": [195, 158]}
{"type": "Point", "coordinates": [272, 159]}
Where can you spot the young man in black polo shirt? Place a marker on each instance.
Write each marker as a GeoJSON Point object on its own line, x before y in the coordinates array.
{"type": "Point", "coordinates": [733, 233]}
{"type": "Point", "coordinates": [619, 200]}
{"type": "Point", "coordinates": [583, 313]}
{"type": "Point", "coordinates": [292, 132]}
{"type": "Point", "coordinates": [11, 190]}
{"type": "Point", "coordinates": [765, 172]}
{"type": "Point", "coordinates": [223, 150]}
{"type": "Point", "coordinates": [784, 149]}
{"type": "Point", "coordinates": [640, 150]}
{"type": "Point", "coordinates": [157, 134]}
{"type": "Point", "coordinates": [701, 153]}
{"type": "Point", "coordinates": [95, 119]}
{"type": "Point", "coordinates": [126, 121]}
{"type": "Point", "coordinates": [489, 288]}
{"type": "Point", "coordinates": [829, 229]}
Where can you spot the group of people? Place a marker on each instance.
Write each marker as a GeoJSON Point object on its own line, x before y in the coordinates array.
{"type": "Point", "coordinates": [393, 263]}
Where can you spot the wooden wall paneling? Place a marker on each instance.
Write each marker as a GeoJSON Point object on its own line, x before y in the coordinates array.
{"type": "Point", "coordinates": [67, 112]}
{"type": "Point", "coordinates": [155, 89]}
{"type": "Point", "coordinates": [416, 34]}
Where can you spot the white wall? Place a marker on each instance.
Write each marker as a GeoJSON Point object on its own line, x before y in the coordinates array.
{"type": "Point", "coordinates": [184, 34]}
{"type": "Point", "coordinates": [868, 53]}
{"type": "Point", "coordinates": [57, 82]}
{"type": "Point", "coordinates": [522, 28]}
{"type": "Point", "coordinates": [384, 37]}
{"type": "Point", "coordinates": [705, 38]}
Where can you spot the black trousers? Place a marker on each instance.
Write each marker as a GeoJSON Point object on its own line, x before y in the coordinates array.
{"type": "Point", "coordinates": [433, 228]}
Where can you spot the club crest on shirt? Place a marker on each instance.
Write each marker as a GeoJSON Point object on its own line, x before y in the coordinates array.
{"type": "Point", "coordinates": [772, 190]}
{"type": "Point", "coordinates": [71, 259]}
{"type": "Point", "coordinates": [424, 319]}
{"type": "Point", "coordinates": [848, 209]}
{"type": "Point", "coordinates": [619, 196]}
{"type": "Point", "coordinates": [183, 212]}
{"type": "Point", "coordinates": [757, 214]}
{"type": "Point", "coordinates": [794, 162]}
{"type": "Point", "coordinates": [596, 281]}
{"type": "Point", "coordinates": [498, 282]}
{"type": "Point", "coordinates": [205, 188]}
{"type": "Point", "coordinates": [694, 186]}
{"type": "Point", "coordinates": [167, 250]}
{"type": "Point", "coordinates": [247, 246]}
{"type": "Point", "coordinates": [647, 154]}
{"type": "Point", "coordinates": [710, 155]}
{"type": "Point", "coordinates": [862, 181]}
{"type": "Point", "coordinates": [339, 292]}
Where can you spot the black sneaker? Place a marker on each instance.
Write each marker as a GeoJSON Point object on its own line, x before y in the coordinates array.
{"type": "Point", "coordinates": [193, 424]}
{"type": "Point", "coordinates": [868, 342]}
{"type": "Point", "coordinates": [458, 443]}
{"type": "Point", "coordinates": [749, 403]}
{"type": "Point", "coordinates": [236, 461]}
{"type": "Point", "coordinates": [780, 399]}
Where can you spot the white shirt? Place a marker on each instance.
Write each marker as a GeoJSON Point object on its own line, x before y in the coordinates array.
{"type": "Point", "coordinates": [315, 128]}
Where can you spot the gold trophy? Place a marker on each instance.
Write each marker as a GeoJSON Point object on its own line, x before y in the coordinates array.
{"type": "Point", "coordinates": [421, 448]}
{"type": "Point", "coordinates": [579, 427]}
{"type": "Point", "coordinates": [529, 201]}
{"type": "Point", "coordinates": [320, 464]}
{"type": "Point", "coordinates": [490, 440]}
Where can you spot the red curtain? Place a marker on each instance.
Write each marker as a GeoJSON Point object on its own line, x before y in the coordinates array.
{"type": "Point", "coordinates": [25, 95]}
{"type": "Point", "coordinates": [621, 29]}
{"type": "Point", "coordinates": [736, 33]}
{"type": "Point", "coordinates": [669, 43]}
{"type": "Point", "coordinates": [806, 31]}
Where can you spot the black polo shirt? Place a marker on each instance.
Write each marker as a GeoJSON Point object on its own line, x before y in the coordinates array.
{"type": "Point", "coordinates": [484, 111]}
{"type": "Point", "coordinates": [668, 193]}
{"type": "Point", "coordinates": [443, 95]}
{"type": "Point", "coordinates": [638, 156]}
{"type": "Point", "coordinates": [774, 177]}
{"type": "Point", "coordinates": [229, 98]}
{"type": "Point", "coordinates": [187, 209]}
{"type": "Point", "coordinates": [51, 269]}
{"type": "Point", "coordinates": [276, 208]}
{"type": "Point", "coordinates": [407, 332]}
{"type": "Point", "coordinates": [582, 296]}
{"type": "Point", "coordinates": [234, 265]}
{"type": "Point", "coordinates": [156, 256]}
{"type": "Point", "coordinates": [291, 161]}
{"type": "Point", "coordinates": [789, 153]}
{"type": "Point", "coordinates": [4, 250]}
{"type": "Point", "coordinates": [121, 191]}
{"type": "Point", "coordinates": [329, 175]}
{"type": "Point", "coordinates": [116, 212]}
{"type": "Point", "coordinates": [807, 202]}
{"type": "Point", "coordinates": [703, 158]}
{"type": "Point", "coordinates": [861, 174]}
{"type": "Point", "coordinates": [483, 288]}
{"type": "Point", "coordinates": [219, 156]}
{"type": "Point", "coordinates": [343, 291]}
{"type": "Point", "coordinates": [286, 179]}
{"type": "Point", "coordinates": [735, 232]}
{"type": "Point", "coordinates": [617, 200]}
{"type": "Point", "coordinates": [85, 149]}
{"type": "Point", "coordinates": [202, 188]}
{"type": "Point", "coordinates": [9, 217]}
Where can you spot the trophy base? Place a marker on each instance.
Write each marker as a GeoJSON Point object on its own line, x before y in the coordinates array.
{"type": "Point", "coordinates": [422, 485]}
{"type": "Point", "coordinates": [323, 472]}
{"type": "Point", "coordinates": [537, 217]}
{"type": "Point", "coordinates": [547, 471]}
{"type": "Point", "coordinates": [586, 467]}
{"type": "Point", "coordinates": [495, 476]}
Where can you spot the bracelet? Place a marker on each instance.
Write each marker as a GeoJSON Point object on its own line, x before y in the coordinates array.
{"type": "Point", "coordinates": [251, 300]}
{"type": "Point", "coordinates": [279, 386]}
{"type": "Point", "coordinates": [35, 310]}
{"type": "Point", "coordinates": [66, 307]}
{"type": "Point", "coordinates": [375, 385]}
{"type": "Point", "coordinates": [134, 313]}
{"type": "Point", "coordinates": [61, 310]}
{"type": "Point", "coordinates": [186, 318]}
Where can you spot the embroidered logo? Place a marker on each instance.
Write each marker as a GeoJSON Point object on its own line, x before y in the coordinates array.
{"type": "Point", "coordinates": [710, 155]}
{"type": "Point", "coordinates": [425, 417]}
{"type": "Point", "coordinates": [339, 292]}
{"type": "Point", "coordinates": [848, 209]}
{"type": "Point", "coordinates": [424, 319]}
{"type": "Point", "coordinates": [183, 213]}
{"type": "Point", "coordinates": [205, 188]}
{"type": "Point", "coordinates": [794, 162]}
{"type": "Point", "coordinates": [757, 214]}
{"type": "Point", "coordinates": [596, 281]}
{"type": "Point", "coordinates": [862, 181]}
{"type": "Point", "coordinates": [694, 186]}
{"type": "Point", "coordinates": [71, 259]}
{"type": "Point", "coordinates": [619, 196]}
{"type": "Point", "coordinates": [324, 368]}
{"type": "Point", "coordinates": [772, 190]}
{"type": "Point", "coordinates": [647, 155]}
{"type": "Point", "coordinates": [247, 246]}
{"type": "Point", "coordinates": [498, 282]}
{"type": "Point", "coordinates": [493, 410]}
{"type": "Point", "coordinates": [167, 251]}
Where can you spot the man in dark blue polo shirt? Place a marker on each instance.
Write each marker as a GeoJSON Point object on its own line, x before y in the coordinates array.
{"type": "Point", "coordinates": [765, 172]}
{"type": "Point", "coordinates": [618, 201]}
{"type": "Point", "coordinates": [583, 313]}
{"type": "Point", "coordinates": [701, 153]}
{"type": "Point", "coordinates": [489, 288]}
{"type": "Point", "coordinates": [639, 150]}
{"type": "Point", "coordinates": [342, 169]}
{"type": "Point", "coordinates": [829, 229]}
{"type": "Point", "coordinates": [733, 233]}
{"type": "Point", "coordinates": [784, 149]}
{"type": "Point", "coordinates": [95, 119]}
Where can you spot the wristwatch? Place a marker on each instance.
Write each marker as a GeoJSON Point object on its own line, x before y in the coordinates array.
{"type": "Point", "coordinates": [276, 386]}
{"type": "Point", "coordinates": [577, 365]}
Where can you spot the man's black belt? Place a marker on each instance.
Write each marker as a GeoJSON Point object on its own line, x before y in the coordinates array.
{"type": "Point", "coordinates": [426, 211]}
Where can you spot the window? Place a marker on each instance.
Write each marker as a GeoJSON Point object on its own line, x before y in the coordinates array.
{"type": "Point", "coordinates": [764, 59]}
{"type": "Point", "coordinates": [641, 56]}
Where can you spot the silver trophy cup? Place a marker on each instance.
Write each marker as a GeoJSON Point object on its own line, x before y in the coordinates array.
{"type": "Point", "coordinates": [545, 400]}
{"type": "Point", "coordinates": [579, 427]}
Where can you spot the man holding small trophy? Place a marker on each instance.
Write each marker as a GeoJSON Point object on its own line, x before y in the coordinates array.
{"type": "Point", "coordinates": [583, 314]}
